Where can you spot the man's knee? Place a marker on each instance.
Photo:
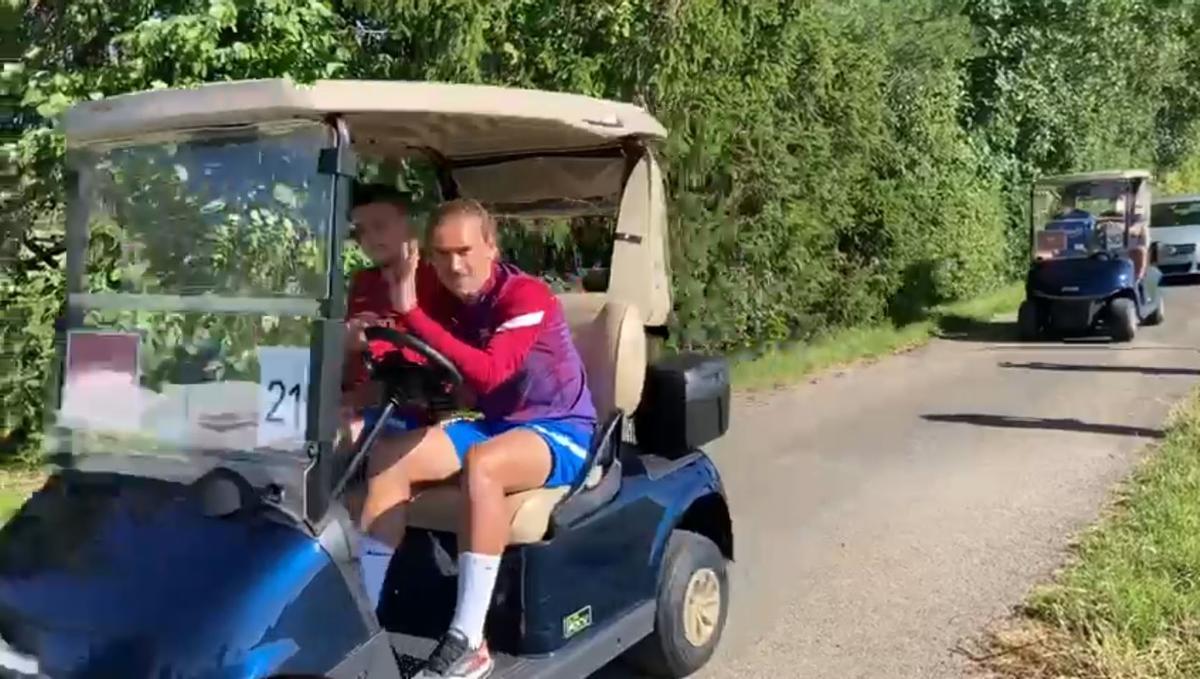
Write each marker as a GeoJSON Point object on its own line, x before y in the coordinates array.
{"type": "Point", "coordinates": [480, 467]}
{"type": "Point", "coordinates": [424, 455]}
{"type": "Point", "coordinates": [512, 462]}
{"type": "Point", "coordinates": [391, 451]}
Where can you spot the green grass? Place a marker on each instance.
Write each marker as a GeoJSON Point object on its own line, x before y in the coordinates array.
{"type": "Point", "coordinates": [970, 319]}
{"type": "Point", "coordinates": [15, 486]}
{"type": "Point", "coordinates": [1128, 607]}
{"type": "Point", "coordinates": [10, 501]}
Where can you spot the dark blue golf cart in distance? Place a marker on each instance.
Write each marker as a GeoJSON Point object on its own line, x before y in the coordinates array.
{"type": "Point", "coordinates": [1086, 231]}
{"type": "Point", "coordinates": [196, 524]}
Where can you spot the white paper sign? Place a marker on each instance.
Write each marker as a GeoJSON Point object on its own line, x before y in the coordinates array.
{"type": "Point", "coordinates": [282, 394]}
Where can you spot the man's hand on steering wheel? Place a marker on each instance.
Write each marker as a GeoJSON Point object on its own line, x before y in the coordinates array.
{"type": "Point", "coordinates": [436, 380]}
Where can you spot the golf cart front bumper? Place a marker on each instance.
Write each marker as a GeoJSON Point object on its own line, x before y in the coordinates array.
{"type": "Point", "coordinates": [1072, 314]}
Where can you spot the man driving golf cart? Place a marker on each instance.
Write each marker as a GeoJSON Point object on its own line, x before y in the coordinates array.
{"type": "Point", "coordinates": [193, 411]}
{"type": "Point", "coordinates": [507, 335]}
{"type": "Point", "coordinates": [381, 225]}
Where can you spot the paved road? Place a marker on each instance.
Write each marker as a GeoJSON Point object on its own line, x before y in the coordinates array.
{"type": "Point", "coordinates": [885, 513]}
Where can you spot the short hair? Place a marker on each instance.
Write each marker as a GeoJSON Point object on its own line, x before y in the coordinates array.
{"type": "Point", "coordinates": [468, 207]}
{"type": "Point", "coordinates": [365, 194]}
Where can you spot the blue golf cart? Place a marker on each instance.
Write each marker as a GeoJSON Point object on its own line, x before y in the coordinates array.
{"type": "Point", "coordinates": [1093, 263]}
{"type": "Point", "coordinates": [195, 523]}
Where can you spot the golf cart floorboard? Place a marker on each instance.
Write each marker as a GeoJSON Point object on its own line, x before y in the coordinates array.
{"type": "Point", "coordinates": [579, 658]}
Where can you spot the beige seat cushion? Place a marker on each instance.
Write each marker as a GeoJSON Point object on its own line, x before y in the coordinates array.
{"type": "Point", "coordinates": [440, 508]}
{"type": "Point", "coordinates": [611, 341]}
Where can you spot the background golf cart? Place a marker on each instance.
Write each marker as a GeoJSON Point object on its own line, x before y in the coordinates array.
{"type": "Point", "coordinates": [196, 423]}
{"type": "Point", "coordinates": [1176, 229]}
{"type": "Point", "coordinates": [1081, 278]}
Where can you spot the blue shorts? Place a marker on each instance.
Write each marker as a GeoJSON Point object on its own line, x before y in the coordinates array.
{"type": "Point", "coordinates": [568, 443]}
{"type": "Point", "coordinates": [395, 423]}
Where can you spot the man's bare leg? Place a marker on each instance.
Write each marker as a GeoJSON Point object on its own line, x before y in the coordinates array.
{"type": "Point", "coordinates": [395, 465]}
{"type": "Point", "coordinates": [348, 432]}
{"type": "Point", "coordinates": [398, 462]}
{"type": "Point", "coordinates": [1140, 257]}
{"type": "Point", "coordinates": [514, 461]}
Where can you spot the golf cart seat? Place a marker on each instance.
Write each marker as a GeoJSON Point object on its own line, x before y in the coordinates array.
{"type": "Point", "coordinates": [610, 338]}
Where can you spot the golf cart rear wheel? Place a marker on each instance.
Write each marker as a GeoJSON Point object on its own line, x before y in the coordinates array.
{"type": "Point", "coordinates": [1027, 320]}
{"type": "Point", "coordinates": [693, 602]}
{"type": "Point", "coordinates": [1123, 318]}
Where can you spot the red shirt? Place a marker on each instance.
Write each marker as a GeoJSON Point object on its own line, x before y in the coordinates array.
{"type": "Point", "coordinates": [512, 346]}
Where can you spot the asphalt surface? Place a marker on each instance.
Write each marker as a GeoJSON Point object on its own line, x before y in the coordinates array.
{"type": "Point", "coordinates": [887, 513]}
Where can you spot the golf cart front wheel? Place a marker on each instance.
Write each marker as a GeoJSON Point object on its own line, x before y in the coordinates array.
{"type": "Point", "coordinates": [693, 602]}
{"type": "Point", "coordinates": [1027, 320]}
{"type": "Point", "coordinates": [1123, 317]}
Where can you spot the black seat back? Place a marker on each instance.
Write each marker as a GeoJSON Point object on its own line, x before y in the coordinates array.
{"type": "Point", "coordinates": [580, 501]}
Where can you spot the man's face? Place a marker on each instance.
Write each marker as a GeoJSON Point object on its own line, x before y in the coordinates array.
{"type": "Point", "coordinates": [462, 254]}
{"type": "Point", "coordinates": [381, 228]}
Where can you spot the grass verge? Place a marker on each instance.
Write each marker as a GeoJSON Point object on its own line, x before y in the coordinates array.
{"type": "Point", "coordinates": [963, 320]}
{"type": "Point", "coordinates": [1128, 606]}
{"type": "Point", "coordinates": [15, 486]}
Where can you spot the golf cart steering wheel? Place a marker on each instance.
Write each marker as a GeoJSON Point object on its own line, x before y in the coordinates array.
{"type": "Point", "coordinates": [438, 363]}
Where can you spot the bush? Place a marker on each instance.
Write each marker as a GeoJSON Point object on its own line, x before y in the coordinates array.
{"type": "Point", "coordinates": [829, 164]}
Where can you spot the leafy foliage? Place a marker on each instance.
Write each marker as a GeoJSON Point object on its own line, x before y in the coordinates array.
{"type": "Point", "coordinates": [830, 163]}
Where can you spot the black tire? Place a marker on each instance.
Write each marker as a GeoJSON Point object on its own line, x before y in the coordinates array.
{"type": "Point", "coordinates": [692, 562]}
{"type": "Point", "coordinates": [1027, 321]}
{"type": "Point", "coordinates": [1122, 313]}
{"type": "Point", "coordinates": [1159, 314]}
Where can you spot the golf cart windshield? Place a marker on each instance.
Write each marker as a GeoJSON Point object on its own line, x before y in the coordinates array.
{"type": "Point", "coordinates": [1084, 218]}
{"type": "Point", "coordinates": [195, 350]}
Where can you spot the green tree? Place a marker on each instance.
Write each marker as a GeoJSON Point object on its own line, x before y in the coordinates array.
{"type": "Point", "coordinates": [829, 163]}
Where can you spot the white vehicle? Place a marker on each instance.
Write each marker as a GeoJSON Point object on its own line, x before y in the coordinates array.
{"type": "Point", "coordinates": [1175, 224]}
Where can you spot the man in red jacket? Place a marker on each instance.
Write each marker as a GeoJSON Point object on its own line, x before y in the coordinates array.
{"type": "Point", "coordinates": [506, 333]}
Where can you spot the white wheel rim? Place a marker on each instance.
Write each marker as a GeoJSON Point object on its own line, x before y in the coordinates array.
{"type": "Point", "coordinates": [701, 606]}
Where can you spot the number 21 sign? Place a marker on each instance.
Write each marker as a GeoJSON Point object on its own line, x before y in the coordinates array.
{"type": "Point", "coordinates": [282, 394]}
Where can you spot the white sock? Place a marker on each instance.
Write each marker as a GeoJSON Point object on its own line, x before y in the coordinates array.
{"type": "Point", "coordinates": [374, 557]}
{"type": "Point", "coordinates": [476, 580]}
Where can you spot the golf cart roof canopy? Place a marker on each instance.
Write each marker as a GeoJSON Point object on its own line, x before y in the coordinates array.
{"type": "Point", "coordinates": [1084, 177]}
{"type": "Point", "coordinates": [458, 121]}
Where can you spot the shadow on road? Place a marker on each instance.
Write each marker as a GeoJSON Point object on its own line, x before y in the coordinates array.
{"type": "Point", "coordinates": [1073, 367]}
{"type": "Point", "coordinates": [1179, 281]}
{"type": "Point", "coordinates": [1081, 345]}
{"type": "Point", "coordinates": [618, 670]}
{"type": "Point", "coordinates": [966, 329]}
{"type": "Point", "coordinates": [1059, 424]}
